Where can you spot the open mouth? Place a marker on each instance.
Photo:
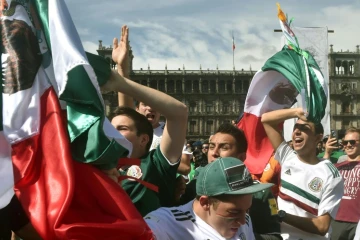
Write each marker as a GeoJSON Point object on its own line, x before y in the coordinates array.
{"type": "Point", "coordinates": [298, 140]}
{"type": "Point", "coordinates": [150, 116]}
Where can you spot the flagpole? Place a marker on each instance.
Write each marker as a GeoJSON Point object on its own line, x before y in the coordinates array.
{"type": "Point", "coordinates": [233, 49]}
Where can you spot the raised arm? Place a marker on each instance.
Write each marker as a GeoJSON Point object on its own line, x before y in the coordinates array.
{"type": "Point", "coordinates": [121, 57]}
{"type": "Point", "coordinates": [174, 111]}
{"type": "Point", "coordinates": [272, 120]}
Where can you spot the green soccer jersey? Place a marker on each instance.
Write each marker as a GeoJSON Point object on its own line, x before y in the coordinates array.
{"type": "Point", "coordinates": [155, 169]}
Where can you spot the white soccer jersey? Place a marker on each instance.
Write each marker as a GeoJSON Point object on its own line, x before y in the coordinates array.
{"type": "Point", "coordinates": [158, 132]}
{"type": "Point", "coordinates": [307, 190]}
{"type": "Point", "coordinates": [178, 223]}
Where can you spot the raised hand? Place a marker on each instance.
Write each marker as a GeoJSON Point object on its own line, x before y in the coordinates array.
{"type": "Point", "coordinates": [301, 114]}
{"type": "Point", "coordinates": [120, 53]}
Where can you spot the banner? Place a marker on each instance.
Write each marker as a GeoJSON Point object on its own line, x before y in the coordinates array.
{"type": "Point", "coordinates": [314, 40]}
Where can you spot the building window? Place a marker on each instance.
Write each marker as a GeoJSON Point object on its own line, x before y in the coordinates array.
{"type": "Point", "coordinates": [237, 86]}
{"type": "Point", "coordinates": [170, 86]}
{"type": "Point", "coordinates": [196, 86]}
{"type": "Point", "coordinates": [153, 84]}
{"type": "Point", "coordinates": [161, 85]}
{"type": "Point", "coordinates": [209, 107]}
{"type": "Point", "coordinates": [192, 127]}
{"type": "Point", "coordinates": [226, 108]}
{"type": "Point", "coordinates": [209, 127]}
{"type": "Point", "coordinates": [246, 85]}
{"type": "Point", "coordinates": [205, 86]}
{"type": "Point", "coordinates": [212, 86]}
{"type": "Point", "coordinates": [188, 86]}
{"type": "Point", "coordinates": [229, 86]}
{"type": "Point", "coordinates": [221, 86]}
{"type": "Point", "coordinates": [179, 86]}
{"type": "Point", "coordinates": [192, 106]}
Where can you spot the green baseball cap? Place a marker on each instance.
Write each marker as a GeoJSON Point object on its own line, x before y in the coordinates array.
{"type": "Point", "coordinates": [227, 176]}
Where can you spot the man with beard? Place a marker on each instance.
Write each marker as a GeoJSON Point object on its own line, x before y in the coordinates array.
{"type": "Point", "coordinates": [311, 188]}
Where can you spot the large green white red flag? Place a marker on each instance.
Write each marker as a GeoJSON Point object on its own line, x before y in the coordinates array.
{"type": "Point", "coordinates": [43, 62]}
{"type": "Point", "coordinates": [290, 72]}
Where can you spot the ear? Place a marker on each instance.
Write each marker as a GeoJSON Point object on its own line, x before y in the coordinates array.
{"type": "Point", "coordinates": [144, 139]}
{"type": "Point", "coordinates": [242, 156]}
{"type": "Point", "coordinates": [204, 203]}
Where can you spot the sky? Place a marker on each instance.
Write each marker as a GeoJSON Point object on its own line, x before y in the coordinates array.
{"type": "Point", "coordinates": [199, 32]}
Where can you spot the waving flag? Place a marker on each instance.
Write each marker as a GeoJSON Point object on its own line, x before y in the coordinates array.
{"type": "Point", "coordinates": [43, 61]}
{"type": "Point", "coordinates": [276, 86]}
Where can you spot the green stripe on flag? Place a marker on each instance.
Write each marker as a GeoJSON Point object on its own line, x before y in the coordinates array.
{"type": "Point", "coordinates": [42, 9]}
{"type": "Point", "coordinates": [299, 192]}
{"type": "Point", "coordinates": [291, 65]}
{"type": "Point", "coordinates": [85, 122]}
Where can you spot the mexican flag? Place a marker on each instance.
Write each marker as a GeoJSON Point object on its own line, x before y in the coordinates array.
{"type": "Point", "coordinates": [54, 136]}
{"type": "Point", "coordinates": [290, 75]}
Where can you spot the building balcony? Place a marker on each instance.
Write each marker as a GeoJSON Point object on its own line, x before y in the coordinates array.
{"type": "Point", "coordinates": [336, 91]}
{"type": "Point", "coordinates": [345, 114]}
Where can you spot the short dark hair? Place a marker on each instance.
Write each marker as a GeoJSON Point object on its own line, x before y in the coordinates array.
{"type": "Point", "coordinates": [206, 142]}
{"type": "Point", "coordinates": [136, 103]}
{"type": "Point", "coordinates": [319, 129]}
{"type": "Point", "coordinates": [238, 134]}
{"type": "Point", "coordinates": [142, 125]}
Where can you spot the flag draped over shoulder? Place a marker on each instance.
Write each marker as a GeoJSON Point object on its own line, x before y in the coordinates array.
{"type": "Point", "coordinates": [46, 71]}
{"type": "Point", "coordinates": [289, 73]}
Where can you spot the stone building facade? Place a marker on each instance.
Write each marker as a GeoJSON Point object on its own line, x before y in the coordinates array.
{"type": "Point", "coordinates": [217, 96]}
{"type": "Point", "coordinates": [212, 96]}
{"type": "Point", "coordinates": [344, 79]}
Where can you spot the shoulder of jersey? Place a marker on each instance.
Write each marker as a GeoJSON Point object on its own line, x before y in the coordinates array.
{"type": "Point", "coordinates": [331, 170]}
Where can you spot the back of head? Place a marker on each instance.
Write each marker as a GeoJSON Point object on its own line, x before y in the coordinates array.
{"type": "Point", "coordinates": [142, 125]}
{"type": "Point", "coordinates": [238, 134]}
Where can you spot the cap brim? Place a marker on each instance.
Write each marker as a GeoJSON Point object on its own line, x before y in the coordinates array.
{"type": "Point", "coordinates": [256, 187]}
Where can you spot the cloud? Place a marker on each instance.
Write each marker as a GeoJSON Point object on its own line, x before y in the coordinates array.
{"type": "Point", "coordinates": [197, 32]}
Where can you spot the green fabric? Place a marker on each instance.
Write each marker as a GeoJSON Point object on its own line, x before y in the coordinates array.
{"type": "Point", "coordinates": [300, 192]}
{"type": "Point", "coordinates": [291, 65]}
{"type": "Point", "coordinates": [156, 170]}
{"type": "Point", "coordinates": [86, 116]}
{"type": "Point", "coordinates": [263, 213]}
{"type": "Point", "coordinates": [42, 11]}
{"type": "Point", "coordinates": [334, 157]}
{"type": "Point", "coordinates": [85, 111]}
{"type": "Point", "coordinates": [191, 174]}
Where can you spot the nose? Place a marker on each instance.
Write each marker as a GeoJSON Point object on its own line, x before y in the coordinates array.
{"type": "Point", "coordinates": [242, 220]}
{"type": "Point", "coordinates": [214, 152]}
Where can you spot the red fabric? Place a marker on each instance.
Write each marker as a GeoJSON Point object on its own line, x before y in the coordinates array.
{"type": "Point", "coordinates": [259, 146]}
{"type": "Point", "coordinates": [66, 199]}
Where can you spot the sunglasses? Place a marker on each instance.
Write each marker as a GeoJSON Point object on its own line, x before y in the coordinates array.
{"type": "Point", "coordinates": [352, 142]}
{"type": "Point", "coordinates": [205, 148]}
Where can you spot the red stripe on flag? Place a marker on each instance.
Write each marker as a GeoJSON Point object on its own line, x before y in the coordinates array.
{"type": "Point", "coordinates": [298, 203]}
{"type": "Point", "coordinates": [259, 147]}
{"type": "Point", "coordinates": [66, 199]}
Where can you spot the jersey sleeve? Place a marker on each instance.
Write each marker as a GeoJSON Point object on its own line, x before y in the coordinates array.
{"type": "Point", "coordinates": [283, 152]}
{"type": "Point", "coordinates": [163, 165]}
{"type": "Point", "coordinates": [158, 225]}
{"type": "Point", "coordinates": [330, 200]}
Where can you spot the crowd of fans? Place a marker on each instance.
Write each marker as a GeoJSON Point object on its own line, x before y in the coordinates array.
{"type": "Point", "coordinates": [203, 190]}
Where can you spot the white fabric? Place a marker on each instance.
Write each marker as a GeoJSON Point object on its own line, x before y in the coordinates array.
{"type": "Point", "coordinates": [181, 222]}
{"type": "Point", "coordinates": [158, 132]}
{"type": "Point", "coordinates": [321, 181]}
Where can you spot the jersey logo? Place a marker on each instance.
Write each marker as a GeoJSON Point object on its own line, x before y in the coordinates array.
{"type": "Point", "coordinates": [316, 184]}
{"type": "Point", "coordinates": [182, 216]}
{"type": "Point", "coordinates": [273, 206]}
{"type": "Point", "coordinates": [242, 236]}
{"type": "Point", "coordinates": [288, 172]}
{"type": "Point", "coordinates": [134, 171]}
